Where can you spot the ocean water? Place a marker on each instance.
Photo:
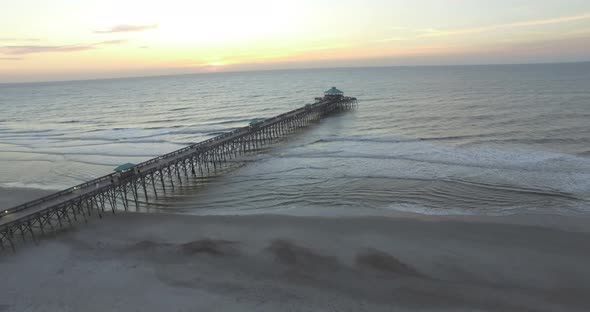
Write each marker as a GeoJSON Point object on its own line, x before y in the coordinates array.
{"type": "Point", "coordinates": [435, 140]}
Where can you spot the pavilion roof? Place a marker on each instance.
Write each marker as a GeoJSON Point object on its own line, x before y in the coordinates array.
{"type": "Point", "coordinates": [333, 91]}
{"type": "Point", "coordinates": [124, 167]}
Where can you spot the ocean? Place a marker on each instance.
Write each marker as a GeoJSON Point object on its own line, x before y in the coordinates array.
{"type": "Point", "coordinates": [476, 140]}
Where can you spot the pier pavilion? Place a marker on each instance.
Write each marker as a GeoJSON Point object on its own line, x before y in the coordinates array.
{"type": "Point", "coordinates": [333, 93]}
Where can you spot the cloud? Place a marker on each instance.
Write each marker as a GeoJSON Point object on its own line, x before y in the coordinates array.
{"type": "Point", "coordinates": [20, 39]}
{"type": "Point", "coordinates": [113, 42]}
{"type": "Point", "coordinates": [323, 48]}
{"type": "Point", "coordinates": [431, 32]}
{"type": "Point", "coordinates": [10, 58]}
{"type": "Point", "coordinates": [32, 49]}
{"type": "Point", "coordinates": [390, 39]}
{"type": "Point", "coordinates": [127, 28]}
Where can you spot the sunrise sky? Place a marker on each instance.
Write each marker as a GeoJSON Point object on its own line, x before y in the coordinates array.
{"type": "Point", "coordinates": [82, 39]}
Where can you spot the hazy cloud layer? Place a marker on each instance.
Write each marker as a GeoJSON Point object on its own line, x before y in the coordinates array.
{"type": "Point", "coordinates": [10, 58]}
{"type": "Point", "coordinates": [126, 28]}
{"type": "Point", "coordinates": [550, 21]}
{"type": "Point", "coordinates": [407, 34]}
{"type": "Point", "coordinates": [19, 39]}
{"type": "Point", "coordinates": [31, 49]}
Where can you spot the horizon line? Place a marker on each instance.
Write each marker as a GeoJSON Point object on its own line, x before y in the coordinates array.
{"type": "Point", "coordinates": [285, 69]}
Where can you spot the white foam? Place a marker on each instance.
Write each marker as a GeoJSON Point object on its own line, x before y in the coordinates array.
{"type": "Point", "coordinates": [416, 159]}
{"type": "Point", "coordinates": [431, 211]}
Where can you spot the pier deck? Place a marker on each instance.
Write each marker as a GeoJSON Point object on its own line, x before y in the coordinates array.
{"type": "Point", "coordinates": [109, 191]}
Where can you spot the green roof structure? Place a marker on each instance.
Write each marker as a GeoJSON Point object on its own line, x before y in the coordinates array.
{"type": "Point", "coordinates": [256, 121]}
{"type": "Point", "coordinates": [333, 91]}
{"type": "Point", "coordinates": [124, 167]}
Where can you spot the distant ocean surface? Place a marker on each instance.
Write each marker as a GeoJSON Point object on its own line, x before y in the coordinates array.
{"type": "Point", "coordinates": [435, 140]}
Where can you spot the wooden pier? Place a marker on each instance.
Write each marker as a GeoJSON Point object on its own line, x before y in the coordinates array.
{"type": "Point", "coordinates": [146, 181]}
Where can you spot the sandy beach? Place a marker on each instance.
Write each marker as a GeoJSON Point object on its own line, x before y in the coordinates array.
{"type": "Point", "coordinates": [148, 262]}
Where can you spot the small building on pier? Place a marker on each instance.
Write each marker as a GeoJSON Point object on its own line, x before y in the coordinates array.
{"type": "Point", "coordinates": [333, 93]}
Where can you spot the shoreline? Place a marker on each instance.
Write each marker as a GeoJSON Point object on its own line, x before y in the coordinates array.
{"type": "Point", "coordinates": [279, 262]}
{"type": "Point", "coordinates": [13, 196]}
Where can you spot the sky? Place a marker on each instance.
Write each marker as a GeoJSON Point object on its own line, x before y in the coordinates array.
{"type": "Point", "coordinates": [85, 39]}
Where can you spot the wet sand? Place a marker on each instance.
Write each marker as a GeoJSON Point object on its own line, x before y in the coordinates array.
{"type": "Point", "coordinates": [140, 262]}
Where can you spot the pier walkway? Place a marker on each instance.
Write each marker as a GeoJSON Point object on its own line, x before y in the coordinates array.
{"type": "Point", "coordinates": [143, 181]}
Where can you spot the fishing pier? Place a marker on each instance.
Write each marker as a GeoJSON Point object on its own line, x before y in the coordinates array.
{"type": "Point", "coordinates": [146, 181]}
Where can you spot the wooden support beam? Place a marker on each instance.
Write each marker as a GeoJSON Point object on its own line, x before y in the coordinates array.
{"type": "Point", "coordinates": [22, 231]}
{"type": "Point", "coordinates": [58, 218]}
{"type": "Point", "coordinates": [154, 186]}
{"type": "Point", "coordinates": [123, 193]}
{"type": "Point", "coordinates": [162, 180]}
{"type": "Point", "coordinates": [96, 203]}
{"type": "Point", "coordinates": [144, 188]}
{"type": "Point", "coordinates": [10, 237]}
{"type": "Point", "coordinates": [193, 172]}
{"type": "Point", "coordinates": [135, 195]}
{"type": "Point", "coordinates": [177, 170]}
{"type": "Point", "coordinates": [30, 227]}
{"type": "Point", "coordinates": [42, 220]}
{"type": "Point", "coordinates": [65, 211]}
{"type": "Point", "coordinates": [170, 177]}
